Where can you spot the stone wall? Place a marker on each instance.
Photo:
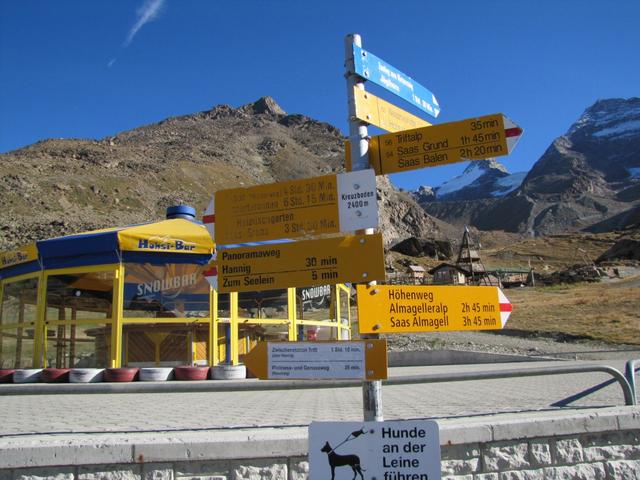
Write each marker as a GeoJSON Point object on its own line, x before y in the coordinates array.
{"type": "Point", "coordinates": [595, 444]}
{"type": "Point", "coordinates": [610, 455]}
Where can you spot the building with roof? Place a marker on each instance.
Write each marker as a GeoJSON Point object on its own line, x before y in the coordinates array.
{"type": "Point", "coordinates": [136, 296]}
{"type": "Point", "coordinates": [417, 273]}
{"type": "Point", "coordinates": [449, 274]}
{"type": "Point", "coordinates": [469, 260]}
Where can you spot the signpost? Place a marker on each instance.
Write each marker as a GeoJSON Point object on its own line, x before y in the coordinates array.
{"type": "Point", "coordinates": [319, 360]}
{"type": "Point", "coordinates": [348, 202]}
{"type": "Point", "coordinates": [351, 258]}
{"type": "Point", "coordinates": [370, 67]}
{"type": "Point", "coordinates": [471, 139]}
{"type": "Point", "coordinates": [411, 309]}
{"type": "Point", "coordinates": [358, 136]}
{"type": "Point", "coordinates": [397, 450]}
{"type": "Point", "coordinates": [385, 115]}
{"type": "Point", "coordinates": [311, 206]}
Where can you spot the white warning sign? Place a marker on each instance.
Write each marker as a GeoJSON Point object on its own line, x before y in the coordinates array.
{"type": "Point", "coordinates": [397, 450]}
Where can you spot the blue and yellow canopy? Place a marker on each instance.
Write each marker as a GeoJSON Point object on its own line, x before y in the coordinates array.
{"type": "Point", "coordinates": [168, 241]}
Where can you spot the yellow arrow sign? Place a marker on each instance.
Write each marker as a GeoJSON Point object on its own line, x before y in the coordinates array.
{"type": "Point", "coordinates": [357, 258]}
{"type": "Point", "coordinates": [311, 206]}
{"type": "Point", "coordinates": [383, 114]}
{"type": "Point", "coordinates": [366, 360]}
{"type": "Point", "coordinates": [470, 139]}
{"type": "Point", "coordinates": [411, 309]}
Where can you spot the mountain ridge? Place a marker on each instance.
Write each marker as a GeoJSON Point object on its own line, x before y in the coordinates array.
{"type": "Point", "coordinates": [61, 186]}
{"type": "Point", "coordinates": [586, 180]}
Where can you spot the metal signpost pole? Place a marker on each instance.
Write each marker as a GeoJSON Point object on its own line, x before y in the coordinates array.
{"type": "Point", "coordinates": [358, 136]}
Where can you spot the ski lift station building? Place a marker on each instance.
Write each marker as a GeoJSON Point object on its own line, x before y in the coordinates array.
{"type": "Point", "coordinates": [136, 296]}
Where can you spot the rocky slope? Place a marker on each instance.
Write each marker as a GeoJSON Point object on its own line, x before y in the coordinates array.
{"type": "Point", "coordinates": [588, 178]}
{"type": "Point", "coordinates": [62, 186]}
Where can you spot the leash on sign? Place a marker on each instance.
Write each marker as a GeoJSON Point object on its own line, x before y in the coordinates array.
{"type": "Point", "coordinates": [351, 436]}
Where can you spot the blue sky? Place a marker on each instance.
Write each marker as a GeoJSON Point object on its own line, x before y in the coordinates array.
{"type": "Point", "coordinates": [88, 69]}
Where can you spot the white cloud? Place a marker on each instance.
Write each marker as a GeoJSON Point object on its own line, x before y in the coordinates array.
{"type": "Point", "coordinates": [146, 13]}
{"type": "Point", "coordinates": [111, 62]}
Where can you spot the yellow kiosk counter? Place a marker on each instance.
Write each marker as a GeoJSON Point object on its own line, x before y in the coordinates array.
{"type": "Point", "coordinates": [136, 296]}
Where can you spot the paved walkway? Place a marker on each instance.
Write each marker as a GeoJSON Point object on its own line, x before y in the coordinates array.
{"type": "Point", "coordinates": [30, 415]}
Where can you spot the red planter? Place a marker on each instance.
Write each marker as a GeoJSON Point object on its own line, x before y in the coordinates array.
{"type": "Point", "coordinates": [191, 373]}
{"type": "Point", "coordinates": [55, 375]}
{"type": "Point", "coordinates": [123, 374]}
{"type": "Point", "coordinates": [6, 375]}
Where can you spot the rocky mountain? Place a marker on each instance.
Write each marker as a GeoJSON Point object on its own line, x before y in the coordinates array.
{"type": "Point", "coordinates": [481, 179]}
{"type": "Point", "coordinates": [62, 186]}
{"type": "Point", "coordinates": [588, 179]}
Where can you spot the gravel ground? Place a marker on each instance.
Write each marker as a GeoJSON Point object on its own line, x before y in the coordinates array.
{"type": "Point", "coordinates": [514, 343]}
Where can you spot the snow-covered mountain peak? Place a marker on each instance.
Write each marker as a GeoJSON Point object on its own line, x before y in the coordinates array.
{"type": "Point", "coordinates": [474, 171]}
{"type": "Point", "coordinates": [470, 175]}
{"type": "Point", "coordinates": [424, 193]}
{"type": "Point", "coordinates": [616, 117]}
{"type": "Point", "coordinates": [508, 184]}
{"type": "Point", "coordinates": [480, 179]}
{"type": "Point", "coordinates": [485, 166]}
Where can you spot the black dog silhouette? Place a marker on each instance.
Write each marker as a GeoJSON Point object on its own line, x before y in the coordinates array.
{"type": "Point", "coordinates": [336, 460]}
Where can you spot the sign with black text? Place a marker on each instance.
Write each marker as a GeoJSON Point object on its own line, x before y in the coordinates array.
{"type": "Point", "coordinates": [351, 258]}
{"type": "Point", "coordinates": [343, 359]}
{"type": "Point", "coordinates": [397, 450]}
{"type": "Point", "coordinates": [431, 308]}
{"type": "Point", "coordinates": [475, 138]}
{"type": "Point", "coordinates": [334, 203]}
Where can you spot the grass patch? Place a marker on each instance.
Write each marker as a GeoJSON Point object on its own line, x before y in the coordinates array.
{"type": "Point", "coordinates": [608, 311]}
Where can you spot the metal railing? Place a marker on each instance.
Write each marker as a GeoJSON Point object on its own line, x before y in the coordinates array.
{"type": "Point", "coordinates": [630, 372]}
{"type": "Point", "coordinates": [627, 391]}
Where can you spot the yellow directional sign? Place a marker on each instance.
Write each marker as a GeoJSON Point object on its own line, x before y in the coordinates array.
{"type": "Point", "coordinates": [348, 166]}
{"type": "Point", "coordinates": [365, 359]}
{"type": "Point", "coordinates": [355, 258]}
{"type": "Point", "coordinates": [311, 206]}
{"type": "Point", "coordinates": [471, 139]}
{"type": "Point", "coordinates": [411, 309]}
{"type": "Point", "coordinates": [383, 114]}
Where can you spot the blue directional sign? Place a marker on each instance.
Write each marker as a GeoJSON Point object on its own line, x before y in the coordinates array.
{"type": "Point", "coordinates": [368, 66]}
